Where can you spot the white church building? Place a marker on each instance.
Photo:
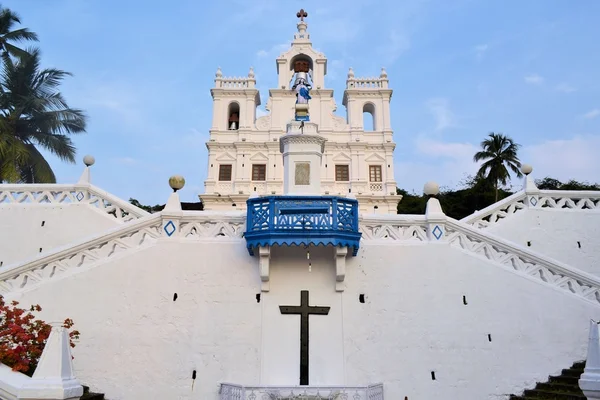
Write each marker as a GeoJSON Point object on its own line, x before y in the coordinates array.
{"type": "Point", "coordinates": [299, 280]}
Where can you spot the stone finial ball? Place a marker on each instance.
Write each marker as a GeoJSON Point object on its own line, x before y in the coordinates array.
{"type": "Point", "coordinates": [526, 169]}
{"type": "Point", "coordinates": [89, 160]}
{"type": "Point", "coordinates": [176, 182]}
{"type": "Point", "coordinates": [431, 189]}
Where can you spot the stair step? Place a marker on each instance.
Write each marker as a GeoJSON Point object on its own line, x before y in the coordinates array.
{"type": "Point", "coordinates": [559, 387]}
{"type": "Point", "coordinates": [572, 372]}
{"type": "Point", "coordinates": [570, 380]}
{"type": "Point", "coordinates": [549, 394]}
{"type": "Point", "coordinates": [92, 396]}
{"type": "Point", "coordinates": [580, 365]}
{"type": "Point", "coordinates": [87, 395]}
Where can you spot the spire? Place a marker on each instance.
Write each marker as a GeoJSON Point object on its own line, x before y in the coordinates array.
{"type": "Point", "coordinates": [302, 35]}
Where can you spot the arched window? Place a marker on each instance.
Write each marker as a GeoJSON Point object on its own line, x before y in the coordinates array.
{"type": "Point", "coordinates": [369, 117]}
{"type": "Point", "coordinates": [233, 116]}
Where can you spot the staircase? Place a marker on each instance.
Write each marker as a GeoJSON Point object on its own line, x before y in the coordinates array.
{"type": "Point", "coordinates": [87, 395]}
{"type": "Point", "coordinates": [563, 387]}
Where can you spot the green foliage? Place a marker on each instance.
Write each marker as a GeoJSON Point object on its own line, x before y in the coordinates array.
{"type": "Point", "coordinates": [33, 112]}
{"type": "Point", "coordinates": [476, 193]}
{"type": "Point", "coordinates": [198, 206]}
{"type": "Point", "coordinates": [554, 184]}
{"type": "Point", "coordinates": [150, 209]}
{"type": "Point", "coordinates": [8, 35]}
{"type": "Point", "coordinates": [499, 153]}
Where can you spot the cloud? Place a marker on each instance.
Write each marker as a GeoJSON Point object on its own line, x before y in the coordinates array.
{"type": "Point", "coordinates": [564, 159]}
{"type": "Point", "coordinates": [592, 114]}
{"type": "Point", "coordinates": [534, 79]}
{"type": "Point", "coordinates": [449, 163]}
{"type": "Point", "coordinates": [274, 51]}
{"type": "Point", "coordinates": [480, 51]}
{"type": "Point", "coordinates": [394, 47]}
{"type": "Point", "coordinates": [440, 109]}
{"type": "Point", "coordinates": [129, 161]}
{"type": "Point", "coordinates": [565, 88]}
{"type": "Point", "coordinates": [260, 112]}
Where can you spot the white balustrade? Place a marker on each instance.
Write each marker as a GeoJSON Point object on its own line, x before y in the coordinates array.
{"type": "Point", "coordinates": [238, 392]}
{"type": "Point", "coordinates": [52, 194]}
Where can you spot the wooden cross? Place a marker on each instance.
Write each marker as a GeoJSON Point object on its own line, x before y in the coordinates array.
{"type": "Point", "coordinates": [302, 14]}
{"type": "Point", "coordinates": [304, 310]}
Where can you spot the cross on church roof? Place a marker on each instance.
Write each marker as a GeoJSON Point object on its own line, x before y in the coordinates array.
{"type": "Point", "coordinates": [302, 14]}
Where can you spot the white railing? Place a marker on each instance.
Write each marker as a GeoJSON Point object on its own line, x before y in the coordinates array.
{"type": "Point", "coordinates": [364, 83]}
{"type": "Point", "coordinates": [229, 391]}
{"type": "Point", "coordinates": [232, 83]}
{"type": "Point", "coordinates": [52, 194]}
{"type": "Point", "coordinates": [100, 248]}
{"type": "Point", "coordinates": [23, 276]}
{"type": "Point", "coordinates": [404, 228]}
{"type": "Point", "coordinates": [522, 261]}
{"type": "Point", "coordinates": [497, 211]}
{"type": "Point", "coordinates": [567, 199]}
{"type": "Point", "coordinates": [544, 199]}
{"type": "Point", "coordinates": [214, 224]}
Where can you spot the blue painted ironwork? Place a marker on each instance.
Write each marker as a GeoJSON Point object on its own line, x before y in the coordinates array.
{"type": "Point", "coordinates": [302, 220]}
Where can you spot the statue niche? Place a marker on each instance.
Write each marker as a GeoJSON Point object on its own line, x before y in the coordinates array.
{"type": "Point", "coordinates": [302, 86]}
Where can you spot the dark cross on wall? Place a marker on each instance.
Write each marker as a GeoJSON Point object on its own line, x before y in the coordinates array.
{"type": "Point", "coordinates": [302, 14]}
{"type": "Point", "coordinates": [304, 310]}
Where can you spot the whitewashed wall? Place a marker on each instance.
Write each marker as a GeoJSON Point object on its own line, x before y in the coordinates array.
{"type": "Point", "coordinates": [22, 234]}
{"type": "Point", "coordinates": [138, 343]}
{"type": "Point", "coordinates": [570, 236]}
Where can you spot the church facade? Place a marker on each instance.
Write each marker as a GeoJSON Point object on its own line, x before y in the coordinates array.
{"type": "Point", "coordinates": [243, 150]}
{"type": "Point", "coordinates": [310, 292]}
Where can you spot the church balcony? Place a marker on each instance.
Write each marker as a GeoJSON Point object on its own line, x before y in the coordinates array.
{"type": "Point", "coordinates": [237, 392]}
{"type": "Point", "coordinates": [302, 220]}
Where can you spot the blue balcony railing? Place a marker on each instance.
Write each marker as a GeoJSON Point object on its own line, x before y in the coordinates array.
{"type": "Point", "coordinates": [302, 220]}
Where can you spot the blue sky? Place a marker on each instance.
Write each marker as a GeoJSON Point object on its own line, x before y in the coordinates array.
{"type": "Point", "coordinates": [459, 69]}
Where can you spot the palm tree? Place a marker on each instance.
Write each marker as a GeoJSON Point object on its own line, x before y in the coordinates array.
{"type": "Point", "coordinates": [8, 19]}
{"type": "Point", "coordinates": [33, 115]}
{"type": "Point", "coordinates": [499, 152]}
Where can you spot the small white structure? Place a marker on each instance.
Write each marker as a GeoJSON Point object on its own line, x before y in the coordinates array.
{"type": "Point", "coordinates": [53, 378]}
{"type": "Point", "coordinates": [590, 379]}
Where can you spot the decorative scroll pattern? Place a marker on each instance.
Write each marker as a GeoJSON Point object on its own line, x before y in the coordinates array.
{"type": "Point", "coordinates": [496, 213]}
{"type": "Point", "coordinates": [409, 231]}
{"type": "Point", "coordinates": [376, 187]}
{"type": "Point", "coordinates": [512, 259]}
{"type": "Point", "coordinates": [97, 250]}
{"type": "Point", "coordinates": [60, 194]}
{"type": "Point", "coordinates": [266, 213]}
{"type": "Point", "coordinates": [211, 229]}
{"type": "Point", "coordinates": [580, 201]}
{"type": "Point", "coordinates": [237, 392]}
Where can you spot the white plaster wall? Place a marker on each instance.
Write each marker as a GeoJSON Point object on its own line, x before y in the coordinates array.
{"type": "Point", "coordinates": [22, 234]}
{"type": "Point", "coordinates": [137, 343]}
{"type": "Point", "coordinates": [557, 234]}
{"type": "Point", "coordinates": [414, 322]}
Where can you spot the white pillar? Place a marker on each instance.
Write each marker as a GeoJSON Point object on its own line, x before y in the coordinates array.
{"type": "Point", "coordinates": [589, 382]}
{"type": "Point", "coordinates": [53, 378]}
{"type": "Point", "coordinates": [302, 150]}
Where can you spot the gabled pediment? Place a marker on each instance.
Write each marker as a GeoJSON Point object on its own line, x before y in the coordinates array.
{"type": "Point", "coordinates": [259, 157]}
{"type": "Point", "coordinates": [341, 157]}
{"type": "Point", "coordinates": [374, 157]}
{"type": "Point", "coordinates": [225, 157]}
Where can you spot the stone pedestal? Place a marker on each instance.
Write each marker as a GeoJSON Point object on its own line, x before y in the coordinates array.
{"type": "Point", "coordinates": [302, 150]}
